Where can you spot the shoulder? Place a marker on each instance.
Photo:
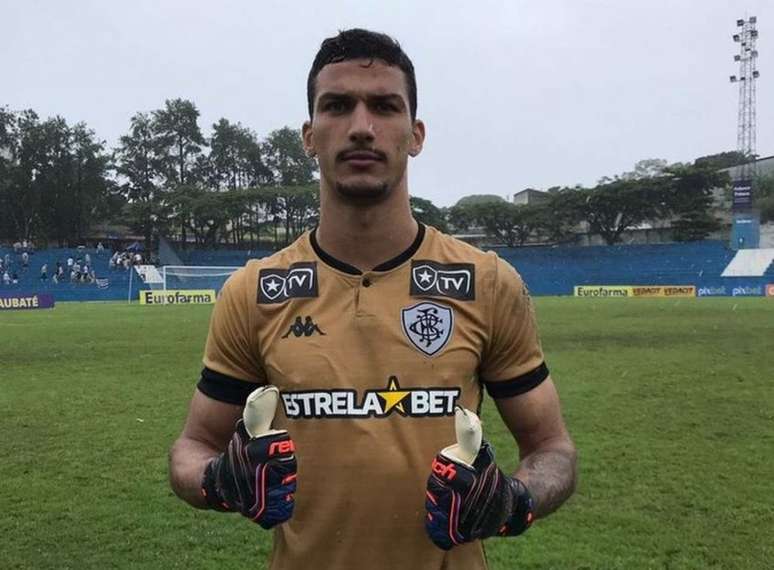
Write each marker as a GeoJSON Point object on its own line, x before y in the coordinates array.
{"type": "Point", "coordinates": [246, 277]}
{"type": "Point", "coordinates": [450, 250]}
{"type": "Point", "coordinates": [299, 250]}
{"type": "Point", "coordinates": [447, 248]}
{"type": "Point", "coordinates": [491, 271]}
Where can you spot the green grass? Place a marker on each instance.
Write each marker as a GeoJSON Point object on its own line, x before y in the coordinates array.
{"type": "Point", "coordinates": [671, 404]}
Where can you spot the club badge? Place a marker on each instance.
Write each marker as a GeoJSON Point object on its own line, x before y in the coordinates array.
{"type": "Point", "coordinates": [428, 326]}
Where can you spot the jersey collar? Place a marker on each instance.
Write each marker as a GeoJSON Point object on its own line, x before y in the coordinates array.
{"type": "Point", "coordinates": [328, 259]}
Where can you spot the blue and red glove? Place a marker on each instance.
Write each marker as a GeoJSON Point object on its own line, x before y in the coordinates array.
{"type": "Point", "coordinates": [256, 475]}
{"type": "Point", "coordinates": [468, 498]}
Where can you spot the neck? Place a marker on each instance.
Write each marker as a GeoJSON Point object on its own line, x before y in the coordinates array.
{"type": "Point", "coordinates": [366, 236]}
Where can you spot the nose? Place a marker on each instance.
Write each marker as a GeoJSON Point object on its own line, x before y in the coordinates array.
{"type": "Point", "coordinates": [361, 128]}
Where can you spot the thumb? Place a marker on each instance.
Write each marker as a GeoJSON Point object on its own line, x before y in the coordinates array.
{"type": "Point", "coordinates": [260, 407]}
{"type": "Point", "coordinates": [467, 427]}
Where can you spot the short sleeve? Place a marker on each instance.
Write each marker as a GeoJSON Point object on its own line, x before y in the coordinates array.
{"type": "Point", "coordinates": [231, 350]}
{"type": "Point", "coordinates": [513, 360]}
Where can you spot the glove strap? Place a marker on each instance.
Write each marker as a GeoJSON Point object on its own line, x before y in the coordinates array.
{"type": "Point", "coordinates": [209, 488]}
{"type": "Point", "coordinates": [523, 510]}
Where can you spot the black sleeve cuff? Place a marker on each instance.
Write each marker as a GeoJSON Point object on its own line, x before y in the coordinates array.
{"type": "Point", "coordinates": [225, 388]}
{"type": "Point", "coordinates": [518, 385]}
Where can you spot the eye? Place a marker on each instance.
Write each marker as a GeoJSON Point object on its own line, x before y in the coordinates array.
{"type": "Point", "coordinates": [385, 107]}
{"type": "Point", "coordinates": [335, 106]}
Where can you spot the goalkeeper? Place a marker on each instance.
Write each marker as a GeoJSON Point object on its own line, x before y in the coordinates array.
{"type": "Point", "coordinates": [405, 328]}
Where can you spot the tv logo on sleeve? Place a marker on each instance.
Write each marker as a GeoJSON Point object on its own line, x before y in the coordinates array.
{"type": "Point", "coordinates": [278, 285]}
{"type": "Point", "coordinates": [432, 279]}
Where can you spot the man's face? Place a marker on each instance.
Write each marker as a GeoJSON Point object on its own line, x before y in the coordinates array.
{"type": "Point", "coordinates": [362, 132]}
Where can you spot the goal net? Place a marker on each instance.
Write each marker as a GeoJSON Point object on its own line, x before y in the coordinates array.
{"type": "Point", "coordinates": [195, 276]}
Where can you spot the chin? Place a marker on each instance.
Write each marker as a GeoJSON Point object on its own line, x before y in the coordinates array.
{"type": "Point", "coordinates": [362, 192]}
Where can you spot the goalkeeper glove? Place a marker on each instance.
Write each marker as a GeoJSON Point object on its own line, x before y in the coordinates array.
{"type": "Point", "coordinates": [468, 497]}
{"type": "Point", "coordinates": [256, 475]}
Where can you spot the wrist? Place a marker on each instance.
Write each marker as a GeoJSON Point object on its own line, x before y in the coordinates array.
{"type": "Point", "coordinates": [209, 487]}
{"type": "Point", "coordinates": [522, 514]}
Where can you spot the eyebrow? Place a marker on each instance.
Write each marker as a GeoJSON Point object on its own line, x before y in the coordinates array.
{"type": "Point", "coordinates": [391, 97]}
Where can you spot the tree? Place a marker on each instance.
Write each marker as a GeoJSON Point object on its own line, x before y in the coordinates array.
{"type": "Point", "coordinates": [612, 208]}
{"type": "Point", "coordinates": [285, 157]}
{"type": "Point", "coordinates": [557, 218]}
{"type": "Point", "coordinates": [178, 138]}
{"type": "Point", "coordinates": [179, 142]}
{"type": "Point", "coordinates": [295, 207]}
{"type": "Point", "coordinates": [479, 199]}
{"type": "Point", "coordinates": [688, 200]}
{"type": "Point", "coordinates": [140, 166]}
{"type": "Point", "coordinates": [462, 216]}
{"type": "Point", "coordinates": [508, 223]}
{"type": "Point", "coordinates": [722, 160]}
{"type": "Point", "coordinates": [236, 157]}
{"type": "Point", "coordinates": [427, 213]}
{"type": "Point", "coordinates": [763, 197]}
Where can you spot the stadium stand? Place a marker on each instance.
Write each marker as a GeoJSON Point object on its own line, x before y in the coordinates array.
{"type": "Point", "coordinates": [109, 284]}
{"type": "Point", "coordinates": [546, 270]}
{"type": "Point", "coordinates": [750, 263]}
{"type": "Point", "coordinates": [557, 270]}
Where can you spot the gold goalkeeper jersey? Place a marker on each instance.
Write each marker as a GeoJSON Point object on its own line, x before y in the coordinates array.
{"type": "Point", "coordinates": [370, 367]}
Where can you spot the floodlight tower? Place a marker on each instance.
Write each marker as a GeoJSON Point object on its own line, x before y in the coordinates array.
{"type": "Point", "coordinates": [746, 37]}
{"type": "Point", "coordinates": [745, 229]}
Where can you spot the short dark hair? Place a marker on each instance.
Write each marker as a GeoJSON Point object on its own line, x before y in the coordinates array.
{"type": "Point", "coordinates": [358, 43]}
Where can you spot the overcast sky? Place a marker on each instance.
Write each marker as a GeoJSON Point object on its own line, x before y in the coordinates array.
{"type": "Point", "coordinates": [514, 94]}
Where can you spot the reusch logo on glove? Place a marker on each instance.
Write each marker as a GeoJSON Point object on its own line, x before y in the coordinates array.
{"type": "Point", "coordinates": [281, 447]}
{"type": "Point", "coordinates": [409, 402]}
{"type": "Point", "coordinates": [445, 470]}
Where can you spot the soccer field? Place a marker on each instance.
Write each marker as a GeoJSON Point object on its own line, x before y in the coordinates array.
{"type": "Point", "coordinates": [670, 402]}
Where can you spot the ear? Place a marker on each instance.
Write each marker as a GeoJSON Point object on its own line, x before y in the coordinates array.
{"type": "Point", "coordinates": [307, 136]}
{"type": "Point", "coordinates": [417, 138]}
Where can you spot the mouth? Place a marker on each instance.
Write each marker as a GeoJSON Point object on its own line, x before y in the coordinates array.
{"type": "Point", "coordinates": [361, 158]}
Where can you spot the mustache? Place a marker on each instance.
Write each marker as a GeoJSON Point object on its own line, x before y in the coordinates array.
{"type": "Point", "coordinates": [343, 154]}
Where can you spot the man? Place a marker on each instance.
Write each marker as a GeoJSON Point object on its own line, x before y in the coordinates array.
{"type": "Point", "coordinates": [415, 324]}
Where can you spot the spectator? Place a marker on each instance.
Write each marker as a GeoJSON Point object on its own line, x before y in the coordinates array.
{"type": "Point", "coordinates": [7, 259]}
{"type": "Point", "coordinates": [70, 263]}
{"type": "Point", "coordinates": [72, 276]}
{"type": "Point", "coordinates": [44, 272]}
{"type": "Point", "coordinates": [100, 248]}
{"type": "Point", "coordinates": [6, 278]}
{"type": "Point", "coordinates": [112, 263]}
{"type": "Point", "coordinates": [87, 257]}
{"type": "Point", "coordinates": [17, 246]}
{"type": "Point", "coordinates": [15, 278]}
{"type": "Point", "coordinates": [25, 259]}
{"type": "Point", "coordinates": [25, 245]}
{"type": "Point", "coordinates": [55, 279]}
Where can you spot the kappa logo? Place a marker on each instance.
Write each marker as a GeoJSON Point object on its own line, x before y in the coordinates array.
{"type": "Point", "coordinates": [428, 326]}
{"type": "Point", "coordinates": [380, 403]}
{"type": "Point", "coordinates": [279, 285]}
{"type": "Point", "coordinates": [305, 327]}
{"type": "Point", "coordinates": [432, 279]}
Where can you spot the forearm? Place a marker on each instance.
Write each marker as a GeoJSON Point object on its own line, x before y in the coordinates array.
{"type": "Point", "coordinates": [187, 461]}
{"type": "Point", "coordinates": [550, 474]}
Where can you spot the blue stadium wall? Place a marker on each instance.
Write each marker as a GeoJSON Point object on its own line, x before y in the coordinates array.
{"type": "Point", "coordinates": [546, 270]}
